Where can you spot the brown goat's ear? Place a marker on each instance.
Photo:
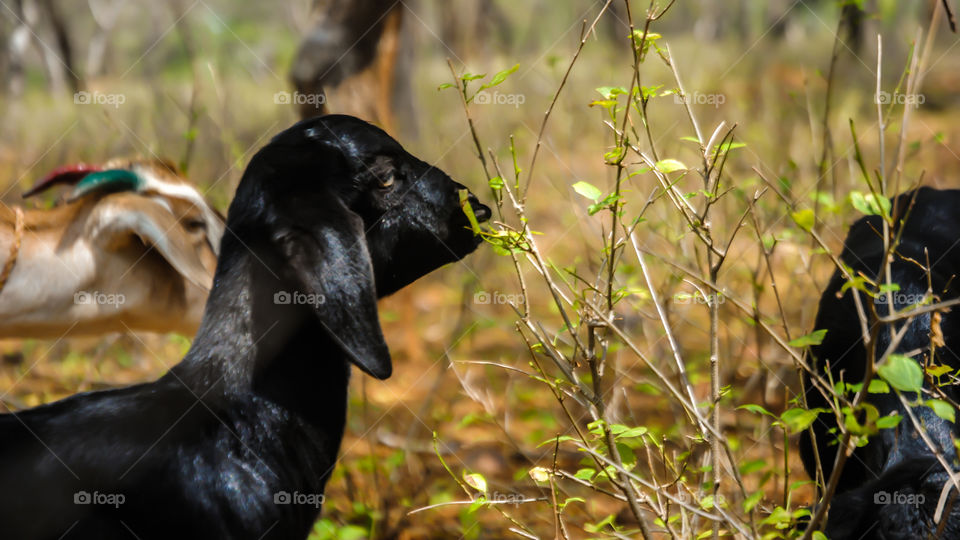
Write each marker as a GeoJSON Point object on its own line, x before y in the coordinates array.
{"type": "Point", "coordinates": [333, 267]}
{"type": "Point", "coordinates": [128, 215]}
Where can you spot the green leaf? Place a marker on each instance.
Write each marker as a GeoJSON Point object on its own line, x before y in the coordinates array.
{"type": "Point", "coordinates": [813, 338]}
{"type": "Point", "coordinates": [540, 474]}
{"type": "Point", "coordinates": [866, 412]}
{"type": "Point", "coordinates": [468, 211]}
{"type": "Point", "coordinates": [605, 203]}
{"type": "Point", "coordinates": [585, 474]}
{"type": "Point", "coordinates": [648, 92]}
{"type": "Point", "coordinates": [627, 455]}
{"type": "Point", "coordinates": [754, 408]}
{"type": "Point", "coordinates": [632, 433]}
{"type": "Point", "coordinates": [605, 103]}
{"type": "Point", "coordinates": [499, 77]}
{"type": "Point", "coordinates": [804, 218]}
{"type": "Point", "coordinates": [352, 532]}
{"type": "Point", "coordinates": [902, 372]}
{"type": "Point", "coordinates": [597, 527]}
{"type": "Point", "coordinates": [472, 77]}
{"type": "Point", "coordinates": [477, 503]}
{"type": "Point", "coordinates": [496, 182]}
{"type": "Point", "coordinates": [730, 145]}
{"type": "Point", "coordinates": [561, 438]}
{"type": "Point", "coordinates": [797, 419]}
{"type": "Point", "coordinates": [751, 502]}
{"type": "Point", "coordinates": [611, 92]}
{"type": "Point", "coordinates": [670, 165]}
{"type": "Point", "coordinates": [587, 190]}
{"type": "Point", "coordinates": [889, 422]}
{"type": "Point", "coordinates": [938, 371]}
{"type": "Point", "coordinates": [877, 386]}
{"type": "Point", "coordinates": [445, 86]}
{"type": "Point", "coordinates": [614, 156]}
{"type": "Point", "coordinates": [869, 204]}
{"type": "Point", "coordinates": [476, 481]}
{"type": "Point", "coordinates": [753, 466]}
{"type": "Point", "coordinates": [942, 409]}
{"type": "Point", "coordinates": [892, 287]}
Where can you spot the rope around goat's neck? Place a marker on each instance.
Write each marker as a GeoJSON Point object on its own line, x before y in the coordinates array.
{"type": "Point", "coordinates": [14, 247]}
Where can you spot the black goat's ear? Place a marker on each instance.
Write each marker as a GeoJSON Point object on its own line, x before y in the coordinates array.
{"type": "Point", "coordinates": [331, 262]}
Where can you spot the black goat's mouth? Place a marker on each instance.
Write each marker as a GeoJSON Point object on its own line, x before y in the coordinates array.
{"type": "Point", "coordinates": [475, 211]}
{"type": "Point", "coordinates": [481, 211]}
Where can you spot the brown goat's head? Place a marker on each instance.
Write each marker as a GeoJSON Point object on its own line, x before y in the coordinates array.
{"type": "Point", "coordinates": [170, 215]}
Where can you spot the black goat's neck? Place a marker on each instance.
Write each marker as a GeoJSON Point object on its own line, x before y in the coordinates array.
{"type": "Point", "coordinates": [249, 344]}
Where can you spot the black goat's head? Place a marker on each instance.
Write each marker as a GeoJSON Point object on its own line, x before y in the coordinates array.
{"type": "Point", "coordinates": [353, 217]}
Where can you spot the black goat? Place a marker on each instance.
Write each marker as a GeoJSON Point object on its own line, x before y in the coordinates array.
{"type": "Point", "coordinates": [890, 488]}
{"type": "Point", "coordinates": [239, 439]}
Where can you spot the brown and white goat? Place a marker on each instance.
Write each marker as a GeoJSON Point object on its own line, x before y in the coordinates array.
{"type": "Point", "coordinates": [134, 248]}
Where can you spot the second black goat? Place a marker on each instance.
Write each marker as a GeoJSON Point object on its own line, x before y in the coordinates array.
{"type": "Point", "coordinates": [890, 488]}
{"type": "Point", "coordinates": [239, 439]}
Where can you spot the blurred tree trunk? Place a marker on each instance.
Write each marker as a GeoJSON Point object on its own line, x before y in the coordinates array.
{"type": "Point", "coordinates": [29, 15]}
{"type": "Point", "coordinates": [617, 27]}
{"type": "Point", "coordinates": [469, 26]}
{"type": "Point", "coordinates": [105, 14]}
{"type": "Point", "coordinates": [17, 46]}
{"type": "Point", "coordinates": [60, 62]}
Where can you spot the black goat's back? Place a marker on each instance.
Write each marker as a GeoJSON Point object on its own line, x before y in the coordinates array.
{"type": "Point", "coordinates": [895, 461]}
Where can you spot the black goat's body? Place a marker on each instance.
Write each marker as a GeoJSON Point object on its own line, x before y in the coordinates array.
{"type": "Point", "coordinates": [239, 439]}
{"type": "Point", "coordinates": [151, 445]}
{"type": "Point", "coordinates": [896, 464]}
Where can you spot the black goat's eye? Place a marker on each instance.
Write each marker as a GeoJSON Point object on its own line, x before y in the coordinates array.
{"type": "Point", "coordinates": [387, 180]}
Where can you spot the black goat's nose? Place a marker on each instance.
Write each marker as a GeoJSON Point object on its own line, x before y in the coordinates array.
{"type": "Point", "coordinates": [480, 210]}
